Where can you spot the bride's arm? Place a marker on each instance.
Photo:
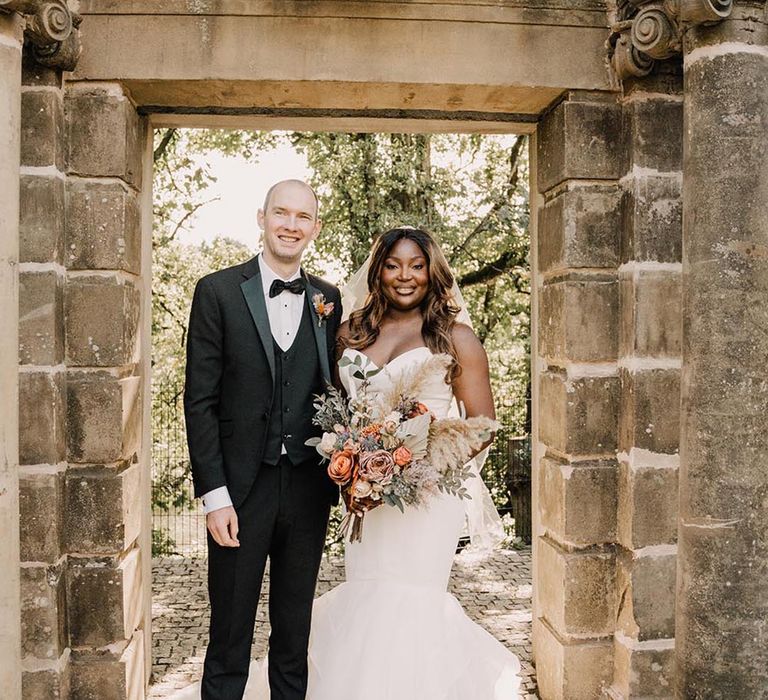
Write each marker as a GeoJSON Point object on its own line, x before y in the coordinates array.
{"type": "Point", "coordinates": [473, 385]}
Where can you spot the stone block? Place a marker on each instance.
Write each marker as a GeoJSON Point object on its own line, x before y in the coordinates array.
{"type": "Point", "coordinates": [581, 140]}
{"type": "Point", "coordinates": [574, 669]}
{"type": "Point", "coordinates": [47, 684]}
{"type": "Point", "coordinates": [650, 410]}
{"type": "Point", "coordinates": [577, 590]}
{"type": "Point", "coordinates": [578, 319]}
{"type": "Point", "coordinates": [104, 134]}
{"type": "Point", "coordinates": [41, 219]}
{"type": "Point", "coordinates": [34, 74]}
{"type": "Point", "coordinates": [102, 509]}
{"type": "Point", "coordinates": [43, 611]}
{"type": "Point", "coordinates": [581, 228]}
{"type": "Point", "coordinates": [647, 510]}
{"type": "Point", "coordinates": [110, 675]}
{"type": "Point", "coordinates": [577, 501]}
{"type": "Point", "coordinates": [41, 318]}
{"type": "Point", "coordinates": [651, 314]}
{"type": "Point", "coordinates": [103, 229]}
{"type": "Point", "coordinates": [40, 505]}
{"type": "Point", "coordinates": [41, 417]}
{"type": "Point", "coordinates": [652, 228]}
{"type": "Point", "coordinates": [42, 121]}
{"type": "Point", "coordinates": [579, 415]}
{"type": "Point", "coordinates": [656, 134]}
{"type": "Point", "coordinates": [101, 316]}
{"type": "Point", "coordinates": [103, 417]}
{"type": "Point", "coordinates": [641, 672]}
{"type": "Point", "coordinates": [646, 590]}
{"type": "Point", "coordinates": [104, 596]}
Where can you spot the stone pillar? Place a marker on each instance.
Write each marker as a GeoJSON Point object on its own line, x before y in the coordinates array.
{"type": "Point", "coordinates": [10, 120]}
{"type": "Point", "coordinates": [104, 491]}
{"type": "Point", "coordinates": [580, 158]}
{"type": "Point", "coordinates": [649, 369]}
{"type": "Point", "coordinates": [42, 397]}
{"type": "Point", "coordinates": [722, 580]}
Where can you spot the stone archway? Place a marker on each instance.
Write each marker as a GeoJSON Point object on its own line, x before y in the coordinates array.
{"type": "Point", "coordinates": [610, 336]}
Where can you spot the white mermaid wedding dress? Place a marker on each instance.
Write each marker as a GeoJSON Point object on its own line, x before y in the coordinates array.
{"type": "Point", "coordinates": [391, 631]}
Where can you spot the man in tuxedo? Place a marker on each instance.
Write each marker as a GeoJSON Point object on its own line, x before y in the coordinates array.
{"type": "Point", "coordinates": [258, 349]}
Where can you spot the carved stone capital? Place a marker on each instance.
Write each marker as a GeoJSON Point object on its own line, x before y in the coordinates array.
{"type": "Point", "coordinates": [646, 31]}
{"type": "Point", "coordinates": [51, 30]}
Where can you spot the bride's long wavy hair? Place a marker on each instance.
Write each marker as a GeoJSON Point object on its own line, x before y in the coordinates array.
{"type": "Point", "coordinates": [438, 308]}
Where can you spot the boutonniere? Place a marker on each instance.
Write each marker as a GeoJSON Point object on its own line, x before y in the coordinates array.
{"type": "Point", "coordinates": [323, 308]}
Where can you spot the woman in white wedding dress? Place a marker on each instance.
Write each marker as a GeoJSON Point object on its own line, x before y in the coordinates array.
{"type": "Point", "coordinates": [391, 631]}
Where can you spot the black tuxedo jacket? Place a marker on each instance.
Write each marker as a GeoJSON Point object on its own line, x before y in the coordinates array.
{"type": "Point", "coordinates": [230, 374]}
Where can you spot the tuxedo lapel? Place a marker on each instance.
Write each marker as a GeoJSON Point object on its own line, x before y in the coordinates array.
{"type": "Point", "coordinates": [320, 331]}
{"type": "Point", "coordinates": [253, 292]}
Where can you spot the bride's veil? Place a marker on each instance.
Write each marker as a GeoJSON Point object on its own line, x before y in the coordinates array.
{"type": "Point", "coordinates": [483, 521]}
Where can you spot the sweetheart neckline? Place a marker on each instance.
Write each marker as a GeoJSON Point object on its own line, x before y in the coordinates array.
{"type": "Point", "coordinates": [388, 362]}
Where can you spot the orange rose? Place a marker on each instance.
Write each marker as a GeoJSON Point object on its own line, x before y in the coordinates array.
{"type": "Point", "coordinates": [372, 430]}
{"type": "Point", "coordinates": [402, 456]}
{"type": "Point", "coordinates": [342, 467]}
{"type": "Point", "coordinates": [418, 410]}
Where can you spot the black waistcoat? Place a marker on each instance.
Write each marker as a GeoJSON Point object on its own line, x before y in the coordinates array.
{"type": "Point", "coordinates": [297, 379]}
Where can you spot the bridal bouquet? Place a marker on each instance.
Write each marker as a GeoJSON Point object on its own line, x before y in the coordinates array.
{"type": "Point", "coordinates": [388, 448]}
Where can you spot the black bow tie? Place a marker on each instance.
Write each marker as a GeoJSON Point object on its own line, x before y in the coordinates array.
{"type": "Point", "coordinates": [294, 286]}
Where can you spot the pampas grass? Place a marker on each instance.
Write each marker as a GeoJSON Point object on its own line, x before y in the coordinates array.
{"type": "Point", "coordinates": [411, 381]}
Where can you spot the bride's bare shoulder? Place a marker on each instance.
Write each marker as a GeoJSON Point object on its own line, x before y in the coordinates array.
{"type": "Point", "coordinates": [466, 343]}
{"type": "Point", "coordinates": [463, 336]}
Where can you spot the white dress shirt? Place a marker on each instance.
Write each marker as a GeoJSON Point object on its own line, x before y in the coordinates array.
{"type": "Point", "coordinates": [284, 312]}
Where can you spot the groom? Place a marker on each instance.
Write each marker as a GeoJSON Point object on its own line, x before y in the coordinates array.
{"type": "Point", "coordinates": [259, 347]}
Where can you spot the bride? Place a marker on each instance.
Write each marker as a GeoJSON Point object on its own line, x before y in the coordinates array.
{"type": "Point", "coordinates": [391, 631]}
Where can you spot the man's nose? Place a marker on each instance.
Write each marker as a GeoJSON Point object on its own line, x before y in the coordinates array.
{"type": "Point", "coordinates": [291, 222]}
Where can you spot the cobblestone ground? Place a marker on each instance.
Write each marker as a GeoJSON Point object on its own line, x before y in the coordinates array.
{"type": "Point", "coordinates": [494, 589]}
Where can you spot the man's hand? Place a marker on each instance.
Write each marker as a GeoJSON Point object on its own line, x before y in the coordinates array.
{"type": "Point", "coordinates": [222, 524]}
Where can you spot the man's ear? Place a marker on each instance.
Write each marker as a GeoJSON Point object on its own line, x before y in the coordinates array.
{"type": "Point", "coordinates": [260, 219]}
{"type": "Point", "coordinates": [318, 226]}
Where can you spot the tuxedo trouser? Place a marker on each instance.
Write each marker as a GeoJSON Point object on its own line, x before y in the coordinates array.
{"type": "Point", "coordinates": [283, 518]}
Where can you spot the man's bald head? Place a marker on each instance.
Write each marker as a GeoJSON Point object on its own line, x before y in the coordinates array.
{"type": "Point", "coordinates": [293, 182]}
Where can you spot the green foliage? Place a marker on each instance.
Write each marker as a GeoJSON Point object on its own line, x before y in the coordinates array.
{"type": "Point", "coordinates": [163, 545]}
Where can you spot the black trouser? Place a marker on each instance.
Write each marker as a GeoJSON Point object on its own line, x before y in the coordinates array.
{"type": "Point", "coordinates": [285, 518]}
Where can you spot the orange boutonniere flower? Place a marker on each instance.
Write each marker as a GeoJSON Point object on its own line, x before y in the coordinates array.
{"type": "Point", "coordinates": [323, 308]}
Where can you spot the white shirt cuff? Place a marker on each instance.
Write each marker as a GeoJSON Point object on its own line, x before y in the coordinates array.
{"type": "Point", "coordinates": [216, 499]}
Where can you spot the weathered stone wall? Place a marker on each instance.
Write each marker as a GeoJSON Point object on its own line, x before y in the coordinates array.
{"type": "Point", "coordinates": [42, 385]}
{"type": "Point", "coordinates": [609, 236]}
{"type": "Point", "coordinates": [81, 407]}
{"type": "Point", "coordinates": [581, 157]}
{"type": "Point", "coordinates": [723, 559]}
{"type": "Point", "coordinates": [649, 371]}
{"type": "Point", "coordinates": [10, 122]}
{"type": "Point", "coordinates": [103, 495]}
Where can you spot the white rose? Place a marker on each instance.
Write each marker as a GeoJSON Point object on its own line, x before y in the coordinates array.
{"type": "Point", "coordinates": [361, 489]}
{"type": "Point", "coordinates": [391, 422]}
{"type": "Point", "coordinates": [328, 443]}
